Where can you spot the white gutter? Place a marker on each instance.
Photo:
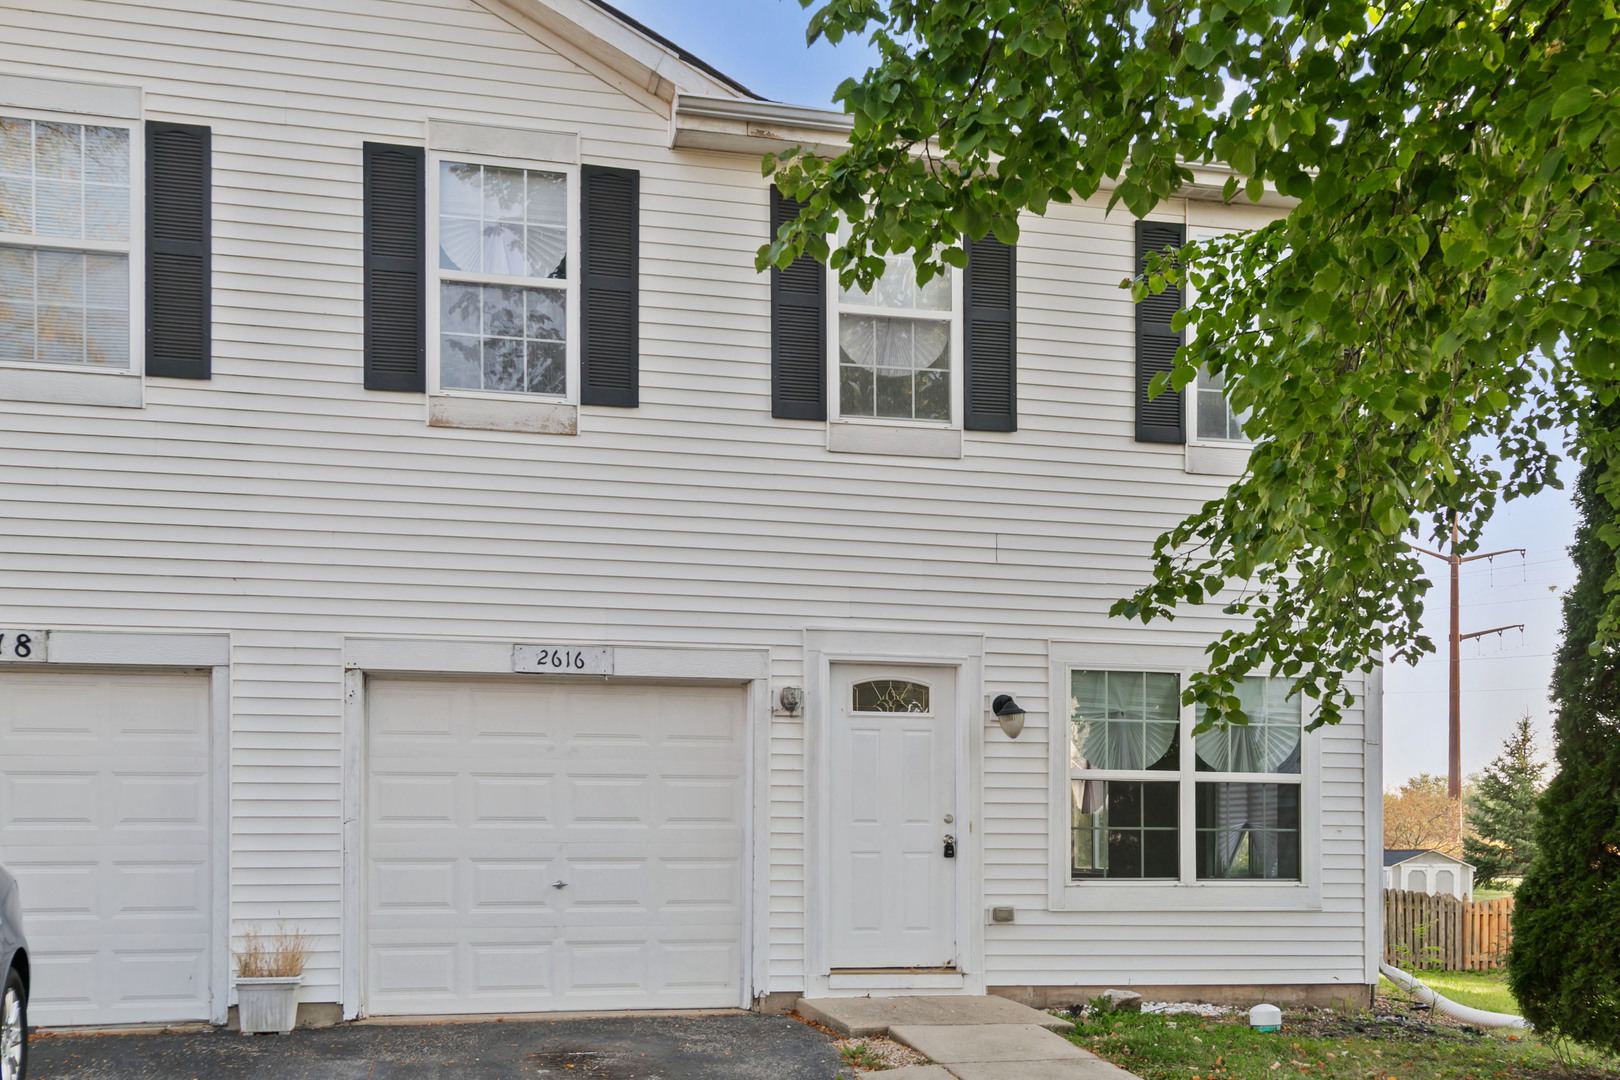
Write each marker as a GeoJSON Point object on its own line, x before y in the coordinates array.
{"type": "Point", "coordinates": [1447, 1007]}
{"type": "Point", "coordinates": [740, 126]}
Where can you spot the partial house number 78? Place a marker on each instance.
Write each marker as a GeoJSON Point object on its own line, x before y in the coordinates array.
{"type": "Point", "coordinates": [22, 645]}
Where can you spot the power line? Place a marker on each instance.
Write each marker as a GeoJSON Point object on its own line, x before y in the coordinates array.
{"type": "Point", "coordinates": [1454, 724]}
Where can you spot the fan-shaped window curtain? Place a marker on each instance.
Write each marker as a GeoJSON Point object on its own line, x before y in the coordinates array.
{"type": "Point", "coordinates": [1123, 723]}
{"type": "Point", "coordinates": [1124, 720]}
{"type": "Point", "coordinates": [1269, 743]}
{"type": "Point", "coordinates": [1247, 829]}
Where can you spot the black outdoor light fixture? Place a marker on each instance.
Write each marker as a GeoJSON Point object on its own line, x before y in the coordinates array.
{"type": "Point", "coordinates": [1009, 714]}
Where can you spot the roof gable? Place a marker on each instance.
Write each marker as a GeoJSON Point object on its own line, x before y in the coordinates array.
{"type": "Point", "coordinates": [1396, 856]}
{"type": "Point", "coordinates": [619, 49]}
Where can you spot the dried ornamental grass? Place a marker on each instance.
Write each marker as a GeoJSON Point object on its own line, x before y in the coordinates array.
{"type": "Point", "coordinates": [269, 956]}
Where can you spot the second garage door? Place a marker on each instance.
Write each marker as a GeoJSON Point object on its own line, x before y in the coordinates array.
{"type": "Point", "coordinates": [104, 800]}
{"type": "Point", "coordinates": [540, 846]}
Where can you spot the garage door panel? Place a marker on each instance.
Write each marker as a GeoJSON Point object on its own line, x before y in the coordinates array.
{"type": "Point", "coordinates": [49, 798]}
{"type": "Point", "coordinates": [630, 796]}
{"type": "Point", "coordinates": [524, 800]}
{"type": "Point", "coordinates": [502, 886]}
{"type": "Point", "coordinates": [160, 800]}
{"type": "Point", "coordinates": [501, 969]}
{"type": "Point", "coordinates": [424, 972]}
{"type": "Point", "coordinates": [105, 790]}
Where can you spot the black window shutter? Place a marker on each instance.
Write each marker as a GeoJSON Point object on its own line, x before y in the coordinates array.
{"type": "Point", "coordinates": [798, 329]}
{"type": "Point", "coordinates": [610, 287]}
{"type": "Point", "coordinates": [1162, 419]}
{"type": "Point", "coordinates": [395, 268]}
{"type": "Point", "coordinates": [990, 336]}
{"type": "Point", "coordinates": [179, 251]}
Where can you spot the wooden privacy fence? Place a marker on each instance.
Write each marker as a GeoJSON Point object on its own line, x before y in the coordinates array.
{"type": "Point", "coordinates": [1442, 933]}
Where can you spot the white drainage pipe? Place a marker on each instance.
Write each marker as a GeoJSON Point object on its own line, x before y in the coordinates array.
{"type": "Point", "coordinates": [1468, 1015]}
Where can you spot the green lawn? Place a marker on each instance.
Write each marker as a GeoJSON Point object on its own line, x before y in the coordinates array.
{"type": "Point", "coordinates": [1324, 1045]}
{"type": "Point", "coordinates": [1480, 989]}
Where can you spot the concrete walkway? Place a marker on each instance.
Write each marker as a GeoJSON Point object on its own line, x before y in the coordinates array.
{"type": "Point", "coordinates": [968, 1038]}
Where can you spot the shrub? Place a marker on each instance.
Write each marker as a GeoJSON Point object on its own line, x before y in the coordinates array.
{"type": "Point", "coordinates": [1564, 964]}
{"type": "Point", "coordinates": [278, 955]}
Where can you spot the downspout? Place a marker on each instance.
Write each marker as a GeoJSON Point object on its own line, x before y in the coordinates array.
{"type": "Point", "coordinates": [1447, 1007]}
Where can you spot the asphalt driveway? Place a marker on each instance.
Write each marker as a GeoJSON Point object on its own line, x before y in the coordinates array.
{"type": "Point", "coordinates": [742, 1047]}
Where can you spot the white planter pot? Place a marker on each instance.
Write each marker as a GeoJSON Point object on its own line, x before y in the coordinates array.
{"type": "Point", "coordinates": [265, 1006]}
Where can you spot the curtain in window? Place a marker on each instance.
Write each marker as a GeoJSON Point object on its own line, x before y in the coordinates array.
{"type": "Point", "coordinates": [1124, 720]}
{"type": "Point", "coordinates": [1269, 743]}
{"type": "Point", "coordinates": [1248, 831]}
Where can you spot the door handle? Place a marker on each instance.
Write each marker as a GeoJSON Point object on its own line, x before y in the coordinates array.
{"type": "Point", "coordinates": [950, 846]}
{"type": "Point", "coordinates": [559, 884]}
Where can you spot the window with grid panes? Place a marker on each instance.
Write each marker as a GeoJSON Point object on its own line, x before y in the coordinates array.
{"type": "Point", "coordinates": [894, 346]}
{"type": "Point", "coordinates": [1128, 778]}
{"type": "Point", "coordinates": [1248, 788]}
{"type": "Point", "coordinates": [503, 279]}
{"type": "Point", "coordinates": [64, 243]}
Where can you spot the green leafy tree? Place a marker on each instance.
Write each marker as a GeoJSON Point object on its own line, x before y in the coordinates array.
{"type": "Point", "coordinates": [1564, 965]}
{"type": "Point", "coordinates": [1502, 809]}
{"type": "Point", "coordinates": [1442, 296]}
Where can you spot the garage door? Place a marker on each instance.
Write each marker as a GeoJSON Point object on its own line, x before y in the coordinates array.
{"type": "Point", "coordinates": [104, 800]}
{"type": "Point", "coordinates": [534, 846]}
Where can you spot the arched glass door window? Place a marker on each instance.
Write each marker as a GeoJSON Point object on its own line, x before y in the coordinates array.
{"type": "Point", "coordinates": [890, 696]}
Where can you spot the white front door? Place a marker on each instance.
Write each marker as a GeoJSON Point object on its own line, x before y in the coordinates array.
{"type": "Point", "coordinates": [893, 803]}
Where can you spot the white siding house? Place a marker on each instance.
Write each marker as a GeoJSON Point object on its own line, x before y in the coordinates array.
{"type": "Point", "coordinates": [414, 505]}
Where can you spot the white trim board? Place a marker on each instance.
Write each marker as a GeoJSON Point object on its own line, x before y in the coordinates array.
{"type": "Point", "coordinates": [965, 654]}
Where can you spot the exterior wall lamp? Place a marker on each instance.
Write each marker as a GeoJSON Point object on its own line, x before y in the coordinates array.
{"type": "Point", "coordinates": [1009, 714]}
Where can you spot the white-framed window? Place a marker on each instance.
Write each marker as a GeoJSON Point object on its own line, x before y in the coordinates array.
{"type": "Point", "coordinates": [503, 255]}
{"type": "Point", "coordinates": [1214, 420]}
{"type": "Point", "coordinates": [69, 252]}
{"type": "Point", "coordinates": [1142, 803]}
{"type": "Point", "coordinates": [1211, 418]}
{"type": "Point", "coordinates": [896, 348]}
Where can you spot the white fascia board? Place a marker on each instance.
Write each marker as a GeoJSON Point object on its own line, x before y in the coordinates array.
{"type": "Point", "coordinates": [738, 125]}
{"type": "Point", "coordinates": [644, 63]}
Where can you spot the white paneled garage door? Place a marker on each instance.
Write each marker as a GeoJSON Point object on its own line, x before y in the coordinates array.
{"type": "Point", "coordinates": [534, 846]}
{"type": "Point", "coordinates": [104, 800]}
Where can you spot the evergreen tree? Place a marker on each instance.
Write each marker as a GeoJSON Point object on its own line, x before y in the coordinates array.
{"type": "Point", "coordinates": [1564, 966]}
{"type": "Point", "coordinates": [1502, 810]}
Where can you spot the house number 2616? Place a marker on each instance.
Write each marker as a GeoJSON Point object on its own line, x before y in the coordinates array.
{"type": "Point", "coordinates": [22, 645]}
{"type": "Point", "coordinates": [562, 659]}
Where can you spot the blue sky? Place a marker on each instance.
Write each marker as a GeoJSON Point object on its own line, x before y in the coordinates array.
{"type": "Point", "coordinates": [761, 44]}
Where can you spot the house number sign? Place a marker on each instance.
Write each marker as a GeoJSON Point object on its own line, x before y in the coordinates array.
{"type": "Point", "coordinates": [22, 646]}
{"type": "Point", "coordinates": [562, 659]}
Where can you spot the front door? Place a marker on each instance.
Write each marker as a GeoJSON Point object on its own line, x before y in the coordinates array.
{"type": "Point", "coordinates": [893, 806]}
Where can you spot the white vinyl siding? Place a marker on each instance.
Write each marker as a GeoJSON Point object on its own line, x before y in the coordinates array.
{"type": "Point", "coordinates": [286, 504]}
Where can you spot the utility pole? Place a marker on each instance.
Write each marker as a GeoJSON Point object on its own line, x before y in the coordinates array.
{"type": "Point", "coordinates": [1454, 773]}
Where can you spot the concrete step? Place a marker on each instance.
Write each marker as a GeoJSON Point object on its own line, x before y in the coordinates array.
{"type": "Point", "coordinates": [858, 1017]}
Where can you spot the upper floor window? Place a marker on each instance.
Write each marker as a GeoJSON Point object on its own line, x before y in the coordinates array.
{"type": "Point", "coordinates": [1216, 419]}
{"type": "Point", "coordinates": [504, 280]}
{"type": "Point", "coordinates": [1130, 779]}
{"type": "Point", "coordinates": [64, 243]}
{"type": "Point", "coordinates": [895, 345]}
